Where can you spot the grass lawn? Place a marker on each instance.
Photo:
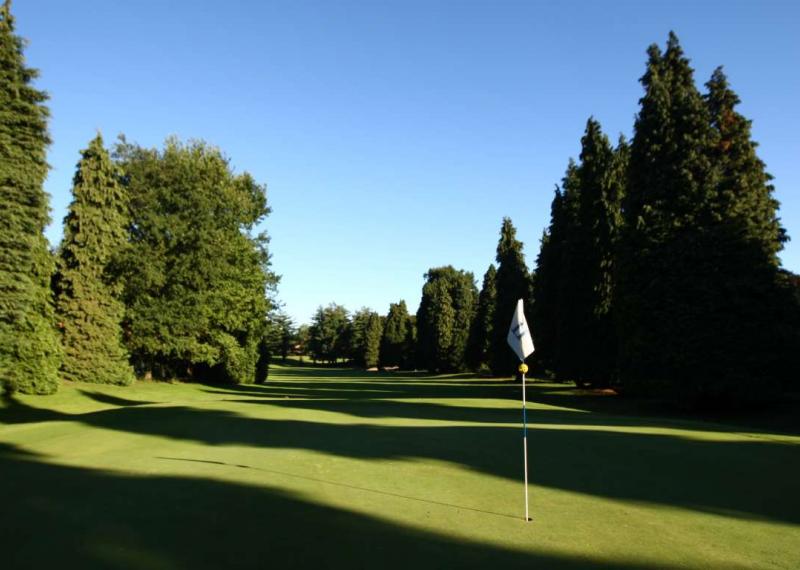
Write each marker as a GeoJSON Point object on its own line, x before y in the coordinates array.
{"type": "Point", "coordinates": [337, 468]}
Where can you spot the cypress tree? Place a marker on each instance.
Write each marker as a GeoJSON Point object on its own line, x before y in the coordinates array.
{"type": "Point", "coordinates": [481, 332]}
{"type": "Point", "coordinates": [87, 294]}
{"type": "Point", "coordinates": [513, 283]}
{"type": "Point", "coordinates": [696, 267]}
{"type": "Point", "coordinates": [600, 177]}
{"type": "Point", "coordinates": [394, 343]}
{"type": "Point", "coordinates": [565, 354]}
{"type": "Point", "coordinates": [30, 354]}
{"type": "Point", "coordinates": [372, 340]}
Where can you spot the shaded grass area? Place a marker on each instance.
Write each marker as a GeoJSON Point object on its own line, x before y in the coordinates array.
{"type": "Point", "coordinates": [309, 422]}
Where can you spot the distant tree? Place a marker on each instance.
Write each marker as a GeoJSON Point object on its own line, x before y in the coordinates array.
{"type": "Point", "coordinates": [513, 283]}
{"type": "Point", "coordinates": [88, 302]}
{"type": "Point", "coordinates": [395, 341]}
{"type": "Point", "coordinates": [364, 347]}
{"type": "Point", "coordinates": [479, 345]}
{"type": "Point", "coordinates": [447, 308]}
{"type": "Point", "coordinates": [372, 340]}
{"type": "Point", "coordinates": [30, 354]}
{"type": "Point", "coordinates": [197, 279]}
{"type": "Point", "coordinates": [328, 332]}
{"type": "Point", "coordinates": [279, 334]}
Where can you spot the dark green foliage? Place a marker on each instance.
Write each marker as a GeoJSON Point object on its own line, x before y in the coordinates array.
{"type": "Point", "coordinates": [330, 337]}
{"type": "Point", "coordinates": [513, 283]}
{"type": "Point", "coordinates": [87, 295]}
{"type": "Point", "coordinates": [396, 336]}
{"type": "Point", "coordinates": [373, 333]}
{"type": "Point", "coordinates": [697, 265]}
{"type": "Point", "coordinates": [365, 332]}
{"type": "Point", "coordinates": [196, 279]}
{"type": "Point", "coordinates": [478, 347]}
{"type": "Point", "coordinates": [445, 312]}
{"type": "Point", "coordinates": [30, 354]}
{"type": "Point", "coordinates": [587, 344]}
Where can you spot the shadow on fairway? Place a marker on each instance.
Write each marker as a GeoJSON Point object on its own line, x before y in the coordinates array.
{"type": "Point", "coordinates": [98, 519]}
{"type": "Point", "coordinates": [750, 478]}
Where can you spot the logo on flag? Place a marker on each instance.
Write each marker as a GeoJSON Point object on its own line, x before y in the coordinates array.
{"type": "Point", "coordinates": [519, 335]}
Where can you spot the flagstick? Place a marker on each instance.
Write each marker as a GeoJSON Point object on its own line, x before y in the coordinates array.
{"type": "Point", "coordinates": [523, 368]}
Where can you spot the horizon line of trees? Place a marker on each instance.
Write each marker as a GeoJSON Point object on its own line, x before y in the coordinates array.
{"type": "Point", "coordinates": [658, 273]}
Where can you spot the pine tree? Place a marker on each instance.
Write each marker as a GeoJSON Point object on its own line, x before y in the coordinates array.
{"type": "Point", "coordinates": [30, 354]}
{"type": "Point", "coordinates": [87, 296]}
{"type": "Point", "coordinates": [394, 344]}
{"type": "Point", "coordinates": [513, 283]}
{"type": "Point", "coordinates": [478, 347]}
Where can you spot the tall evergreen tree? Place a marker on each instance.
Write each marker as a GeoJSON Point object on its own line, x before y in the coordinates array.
{"type": "Point", "coordinates": [446, 310]}
{"type": "Point", "coordinates": [30, 353]}
{"type": "Point", "coordinates": [513, 283]}
{"type": "Point", "coordinates": [478, 348]}
{"type": "Point", "coordinates": [601, 180]}
{"type": "Point", "coordinates": [394, 344]}
{"type": "Point", "coordinates": [366, 331]}
{"type": "Point", "coordinates": [373, 333]}
{"type": "Point", "coordinates": [88, 306]}
{"type": "Point", "coordinates": [694, 275]}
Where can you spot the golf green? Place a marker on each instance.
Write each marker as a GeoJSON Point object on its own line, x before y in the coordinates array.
{"type": "Point", "coordinates": [339, 468]}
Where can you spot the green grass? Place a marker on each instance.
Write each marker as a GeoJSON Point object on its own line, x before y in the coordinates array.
{"type": "Point", "coordinates": [337, 468]}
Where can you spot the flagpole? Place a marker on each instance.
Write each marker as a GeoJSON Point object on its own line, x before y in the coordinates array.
{"type": "Point", "coordinates": [520, 340]}
{"type": "Point", "coordinates": [523, 368]}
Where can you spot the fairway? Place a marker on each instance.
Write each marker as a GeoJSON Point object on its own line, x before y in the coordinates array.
{"type": "Point", "coordinates": [338, 468]}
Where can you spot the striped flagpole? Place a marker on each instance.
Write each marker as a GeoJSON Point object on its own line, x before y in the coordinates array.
{"type": "Point", "coordinates": [523, 368]}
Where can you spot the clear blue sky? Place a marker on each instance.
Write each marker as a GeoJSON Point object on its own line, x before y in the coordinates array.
{"type": "Point", "coordinates": [394, 136]}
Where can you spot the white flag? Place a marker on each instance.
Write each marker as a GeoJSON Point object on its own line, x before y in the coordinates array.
{"type": "Point", "coordinates": [519, 335]}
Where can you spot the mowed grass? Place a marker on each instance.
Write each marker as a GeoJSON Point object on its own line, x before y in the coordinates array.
{"type": "Point", "coordinates": [338, 468]}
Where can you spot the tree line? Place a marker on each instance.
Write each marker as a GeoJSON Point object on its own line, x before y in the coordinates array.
{"type": "Point", "coordinates": [658, 273]}
{"type": "Point", "coordinates": [159, 273]}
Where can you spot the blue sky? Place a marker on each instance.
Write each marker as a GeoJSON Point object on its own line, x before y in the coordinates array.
{"type": "Point", "coordinates": [394, 136]}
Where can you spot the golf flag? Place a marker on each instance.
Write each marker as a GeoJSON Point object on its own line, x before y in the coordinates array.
{"type": "Point", "coordinates": [519, 335]}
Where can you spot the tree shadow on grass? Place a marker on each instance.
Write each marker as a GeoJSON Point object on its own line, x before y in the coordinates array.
{"type": "Point", "coordinates": [55, 516]}
{"type": "Point", "coordinates": [753, 478]}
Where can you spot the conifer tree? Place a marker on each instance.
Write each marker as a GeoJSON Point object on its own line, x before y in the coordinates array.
{"type": "Point", "coordinates": [394, 343]}
{"type": "Point", "coordinates": [565, 354]}
{"type": "Point", "coordinates": [670, 184]}
{"type": "Point", "coordinates": [446, 310]}
{"type": "Point", "coordinates": [372, 340]}
{"type": "Point", "coordinates": [601, 180]}
{"type": "Point", "coordinates": [545, 309]}
{"type": "Point", "coordinates": [30, 353]}
{"type": "Point", "coordinates": [695, 266]}
{"type": "Point", "coordinates": [513, 283]}
{"type": "Point", "coordinates": [478, 350]}
{"type": "Point", "coordinates": [87, 293]}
